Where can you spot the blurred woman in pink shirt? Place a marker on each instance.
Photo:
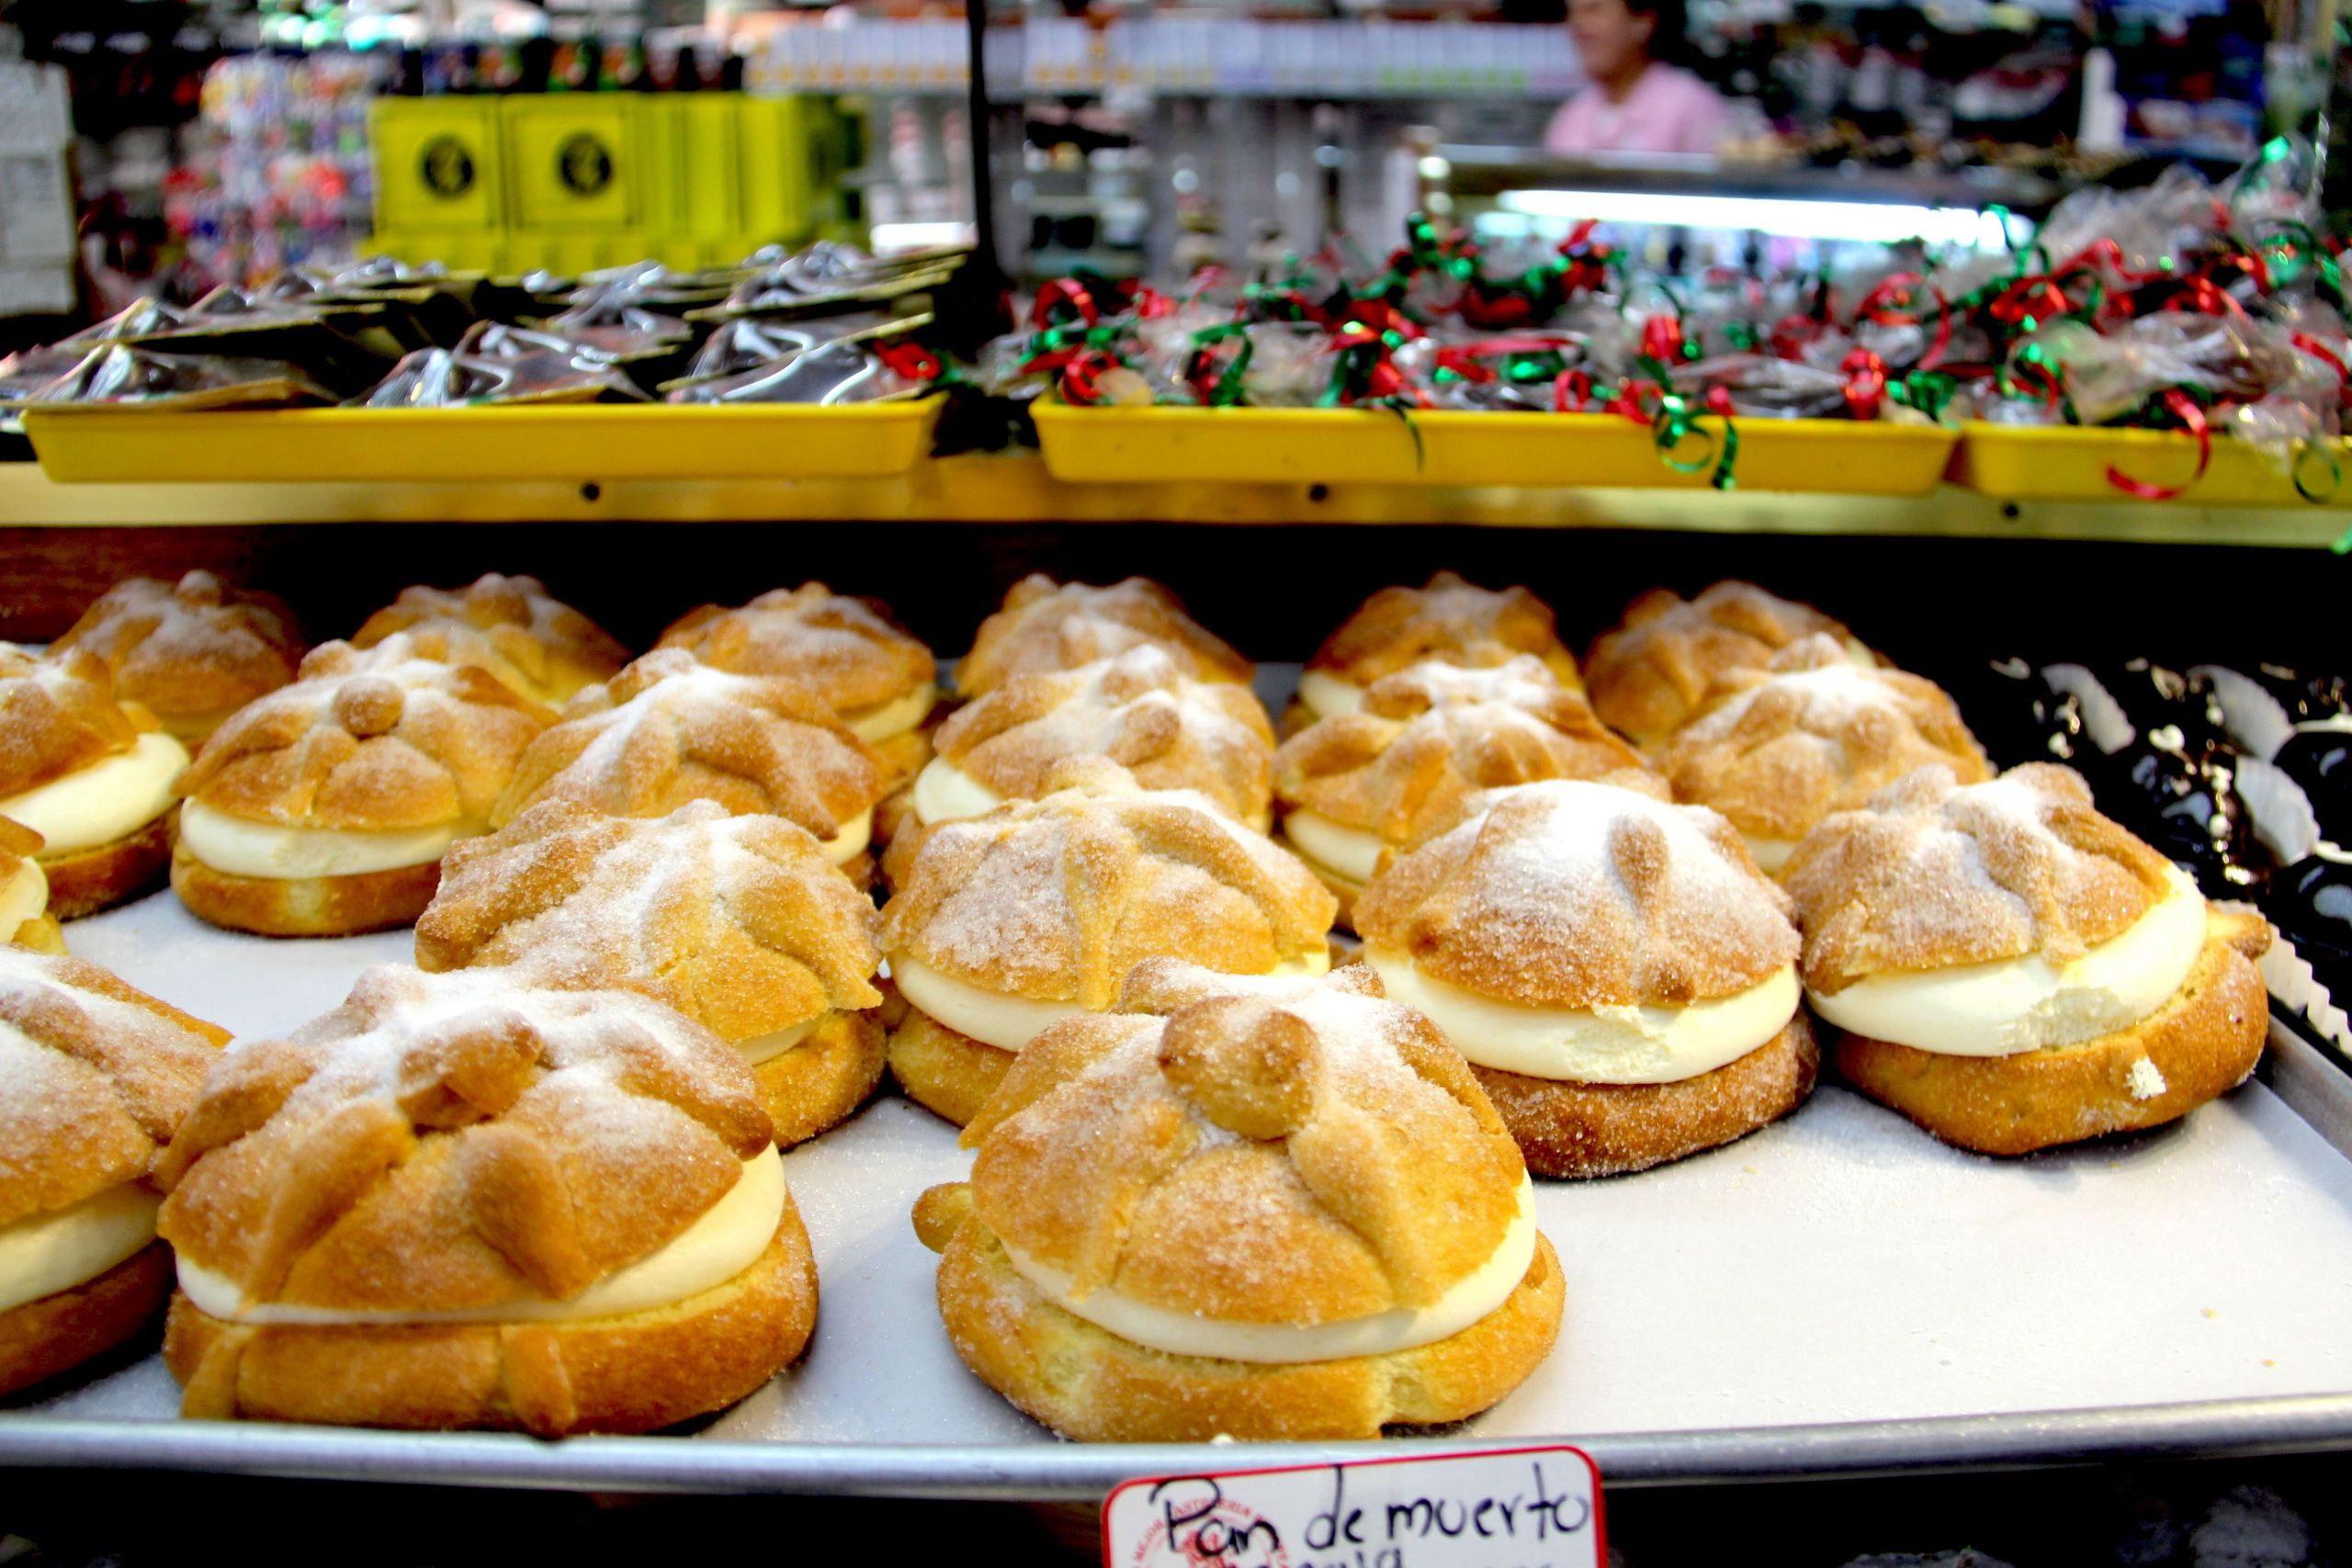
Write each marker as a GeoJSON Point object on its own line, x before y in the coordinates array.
{"type": "Point", "coordinates": [1636, 102]}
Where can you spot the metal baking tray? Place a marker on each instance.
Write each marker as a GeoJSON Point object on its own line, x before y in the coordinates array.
{"type": "Point", "coordinates": [1835, 1293]}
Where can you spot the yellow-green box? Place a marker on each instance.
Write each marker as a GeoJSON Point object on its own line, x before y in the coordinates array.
{"type": "Point", "coordinates": [573, 161]}
{"type": "Point", "coordinates": [439, 163]}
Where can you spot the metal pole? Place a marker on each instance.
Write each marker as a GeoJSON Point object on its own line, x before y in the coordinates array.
{"type": "Point", "coordinates": [978, 112]}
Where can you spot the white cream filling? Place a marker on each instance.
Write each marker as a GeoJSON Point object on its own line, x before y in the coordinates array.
{"type": "Point", "coordinates": [855, 834]}
{"type": "Point", "coordinates": [2015, 1005]}
{"type": "Point", "coordinates": [1770, 854]}
{"type": "Point", "coordinates": [727, 1239]}
{"type": "Point", "coordinates": [1009, 1024]}
{"type": "Point", "coordinates": [240, 848]}
{"type": "Point", "coordinates": [775, 1043]}
{"type": "Point", "coordinates": [1477, 1295]}
{"type": "Point", "coordinates": [24, 897]}
{"type": "Point", "coordinates": [112, 798]}
{"type": "Point", "coordinates": [1350, 851]}
{"type": "Point", "coordinates": [894, 717]}
{"type": "Point", "coordinates": [1607, 1044]}
{"type": "Point", "coordinates": [1328, 696]}
{"type": "Point", "coordinates": [43, 1253]}
{"type": "Point", "coordinates": [946, 793]}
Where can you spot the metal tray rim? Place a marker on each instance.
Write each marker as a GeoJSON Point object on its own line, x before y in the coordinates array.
{"type": "Point", "coordinates": [1083, 1471]}
{"type": "Point", "coordinates": [2315, 1089]}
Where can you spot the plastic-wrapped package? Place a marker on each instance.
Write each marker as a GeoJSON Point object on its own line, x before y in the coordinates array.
{"type": "Point", "coordinates": [125, 375]}
{"type": "Point", "coordinates": [501, 366]}
{"type": "Point", "coordinates": [829, 374]}
{"type": "Point", "coordinates": [25, 373]}
{"type": "Point", "coordinates": [613, 322]}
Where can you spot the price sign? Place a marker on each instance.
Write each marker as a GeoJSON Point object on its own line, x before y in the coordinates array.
{"type": "Point", "coordinates": [1530, 1508]}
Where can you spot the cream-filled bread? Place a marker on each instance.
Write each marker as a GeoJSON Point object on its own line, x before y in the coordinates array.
{"type": "Point", "coordinates": [261, 849]}
{"type": "Point", "coordinates": [110, 799]}
{"type": "Point", "coordinates": [1360, 783]}
{"type": "Point", "coordinates": [2011, 970]}
{"type": "Point", "coordinates": [2008, 1004]}
{"type": "Point", "coordinates": [726, 1240]}
{"type": "Point", "coordinates": [44, 1254]}
{"type": "Point", "coordinates": [1650, 672]}
{"type": "Point", "coordinates": [1004, 924]}
{"type": "Point", "coordinates": [24, 891]}
{"type": "Point", "coordinates": [538, 645]}
{"type": "Point", "coordinates": [879, 680]}
{"type": "Point", "coordinates": [1599, 1044]}
{"type": "Point", "coordinates": [1616, 969]}
{"type": "Point", "coordinates": [1778, 749]}
{"type": "Point", "coordinates": [326, 807]}
{"type": "Point", "coordinates": [1445, 621]}
{"type": "Point", "coordinates": [1137, 709]}
{"type": "Point", "coordinates": [95, 1079]}
{"type": "Point", "coordinates": [1281, 1209]}
{"type": "Point", "coordinates": [92, 775]}
{"type": "Point", "coordinates": [460, 1201]}
{"type": "Point", "coordinates": [191, 652]}
{"type": "Point", "coordinates": [1466, 1301]}
{"type": "Point", "coordinates": [668, 729]}
{"type": "Point", "coordinates": [742, 923]}
{"type": "Point", "coordinates": [1044, 626]}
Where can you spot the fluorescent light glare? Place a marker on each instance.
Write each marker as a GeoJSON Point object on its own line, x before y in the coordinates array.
{"type": "Point", "coordinates": [892, 238]}
{"type": "Point", "coordinates": [1886, 222]}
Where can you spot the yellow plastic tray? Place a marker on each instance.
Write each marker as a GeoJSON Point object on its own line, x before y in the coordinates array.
{"type": "Point", "coordinates": [1368, 445]}
{"type": "Point", "coordinates": [2071, 464]}
{"type": "Point", "coordinates": [578, 442]}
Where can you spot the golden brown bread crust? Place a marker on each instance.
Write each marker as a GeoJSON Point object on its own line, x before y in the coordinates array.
{"type": "Point", "coordinates": [1088, 1384]}
{"type": "Point", "coordinates": [949, 1074]}
{"type": "Point", "coordinates": [1448, 621]}
{"type": "Point", "coordinates": [2203, 1044]}
{"type": "Point", "coordinates": [668, 730]}
{"type": "Point", "coordinates": [1777, 750]}
{"type": "Point", "coordinates": [1430, 736]}
{"type": "Point", "coordinates": [304, 906]}
{"type": "Point", "coordinates": [1568, 894]}
{"type": "Point", "coordinates": [192, 652]}
{"type": "Point", "coordinates": [1933, 873]}
{"type": "Point", "coordinates": [850, 651]}
{"type": "Point", "coordinates": [738, 922]}
{"type": "Point", "coordinates": [1590, 1129]}
{"type": "Point", "coordinates": [636, 1374]}
{"type": "Point", "coordinates": [368, 742]}
{"type": "Point", "coordinates": [1045, 625]}
{"type": "Point", "coordinates": [1648, 671]}
{"type": "Point", "coordinates": [1139, 710]}
{"type": "Point", "coordinates": [1328, 1144]}
{"type": "Point", "coordinates": [100, 1075]}
{"type": "Point", "coordinates": [43, 934]}
{"type": "Point", "coordinates": [1103, 880]}
{"type": "Point", "coordinates": [60, 712]}
{"type": "Point", "coordinates": [819, 1083]}
{"type": "Point", "coordinates": [508, 625]}
{"type": "Point", "coordinates": [58, 1332]}
{"type": "Point", "coordinates": [456, 1141]}
{"type": "Point", "coordinates": [82, 881]}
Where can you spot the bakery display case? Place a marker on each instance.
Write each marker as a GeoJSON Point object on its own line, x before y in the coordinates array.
{"type": "Point", "coordinates": [1990, 1344]}
{"type": "Point", "coordinates": [786, 868]}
